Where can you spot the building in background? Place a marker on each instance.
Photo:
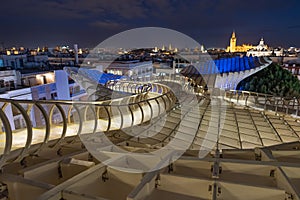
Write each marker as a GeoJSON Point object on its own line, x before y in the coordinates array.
{"type": "Point", "coordinates": [134, 69]}
{"type": "Point", "coordinates": [37, 86]}
{"type": "Point", "coordinates": [293, 66]}
{"type": "Point", "coordinates": [234, 48]}
{"type": "Point", "coordinates": [264, 50]}
{"type": "Point", "coordinates": [14, 61]}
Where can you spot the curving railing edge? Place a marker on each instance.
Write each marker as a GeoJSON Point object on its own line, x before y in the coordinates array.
{"type": "Point", "coordinates": [286, 105]}
{"type": "Point", "coordinates": [163, 101]}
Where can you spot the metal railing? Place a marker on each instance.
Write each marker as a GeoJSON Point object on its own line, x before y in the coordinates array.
{"type": "Point", "coordinates": [50, 123]}
{"type": "Point", "coordinates": [285, 105]}
{"type": "Point", "coordinates": [61, 121]}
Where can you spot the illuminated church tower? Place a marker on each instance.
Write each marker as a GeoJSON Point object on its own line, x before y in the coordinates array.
{"type": "Point", "coordinates": [235, 48]}
{"type": "Point", "coordinates": [233, 42]}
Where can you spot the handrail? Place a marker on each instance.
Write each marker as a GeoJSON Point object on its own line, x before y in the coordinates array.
{"type": "Point", "coordinates": [286, 105]}
{"type": "Point", "coordinates": [163, 102]}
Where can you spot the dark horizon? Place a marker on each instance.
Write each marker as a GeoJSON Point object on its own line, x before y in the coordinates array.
{"type": "Point", "coordinates": [49, 23]}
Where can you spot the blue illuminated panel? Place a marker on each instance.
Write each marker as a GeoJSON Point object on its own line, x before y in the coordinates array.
{"type": "Point", "coordinates": [224, 65]}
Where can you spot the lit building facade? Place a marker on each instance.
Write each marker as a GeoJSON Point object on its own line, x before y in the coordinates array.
{"type": "Point", "coordinates": [46, 86]}
{"type": "Point", "coordinates": [293, 68]}
{"type": "Point", "coordinates": [134, 69]}
{"type": "Point", "coordinates": [234, 48]}
{"type": "Point", "coordinates": [263, 50]}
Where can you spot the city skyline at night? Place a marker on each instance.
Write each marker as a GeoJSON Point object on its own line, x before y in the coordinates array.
{"type": "Point", "coordinates": [149, 99]}
{"type": "Point", "coordinates": [49, 23]}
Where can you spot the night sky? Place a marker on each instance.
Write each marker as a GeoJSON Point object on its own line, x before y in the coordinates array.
{"type": "Point", "coordinates": [33, 23]}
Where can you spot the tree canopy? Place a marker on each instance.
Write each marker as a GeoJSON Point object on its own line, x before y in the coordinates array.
{"type": "Point", "coordinates": [272, 80]}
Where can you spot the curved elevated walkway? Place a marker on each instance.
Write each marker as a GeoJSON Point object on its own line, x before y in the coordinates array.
{"type": "Point", "coordinates": [250, 147]}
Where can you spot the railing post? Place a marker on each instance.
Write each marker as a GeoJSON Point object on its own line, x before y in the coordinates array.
{"type": "Point", "coordinates": [297, 110]}
{"type": "Point", "coordinates": [8, 137]}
